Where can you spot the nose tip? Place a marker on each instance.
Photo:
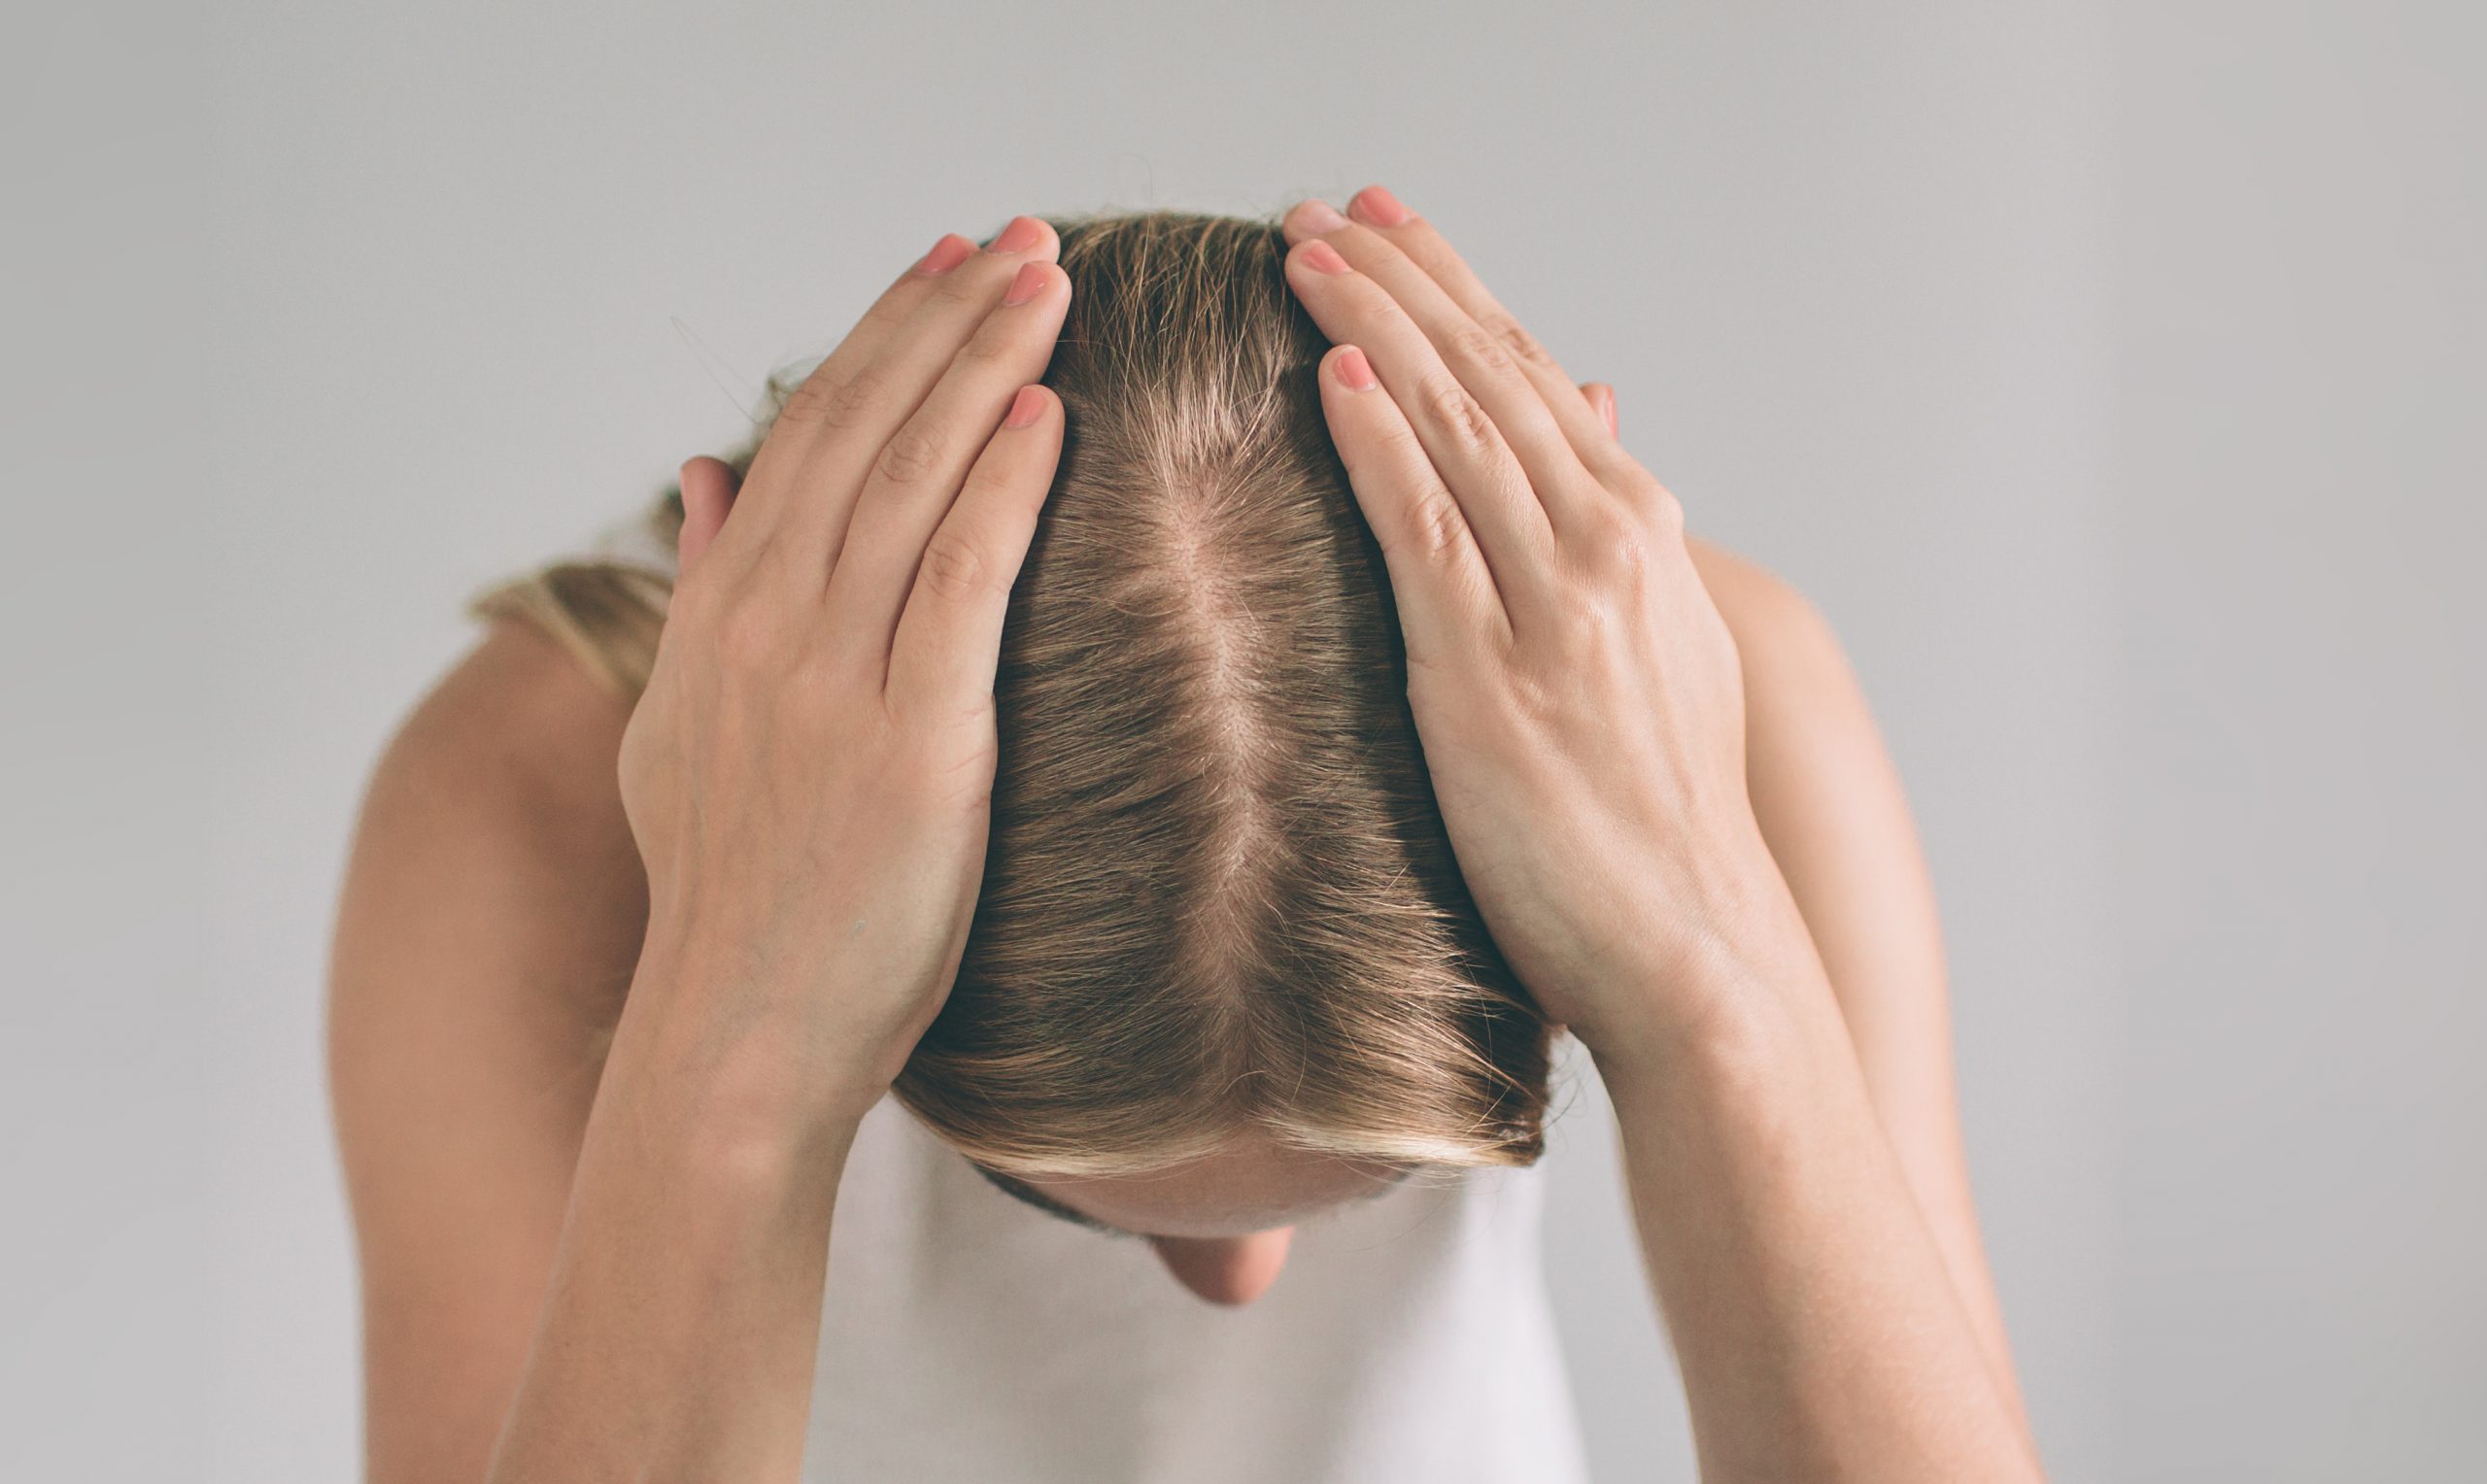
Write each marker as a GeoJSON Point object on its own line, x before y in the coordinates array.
{"type": "Point", "coordinates": [1229, 1272]}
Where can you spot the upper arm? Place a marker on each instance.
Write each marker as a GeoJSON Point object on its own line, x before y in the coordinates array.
{"type": "Point", "coordinates": [1832, 809]}
{"type": "Point", "coordinates": [489, 924]}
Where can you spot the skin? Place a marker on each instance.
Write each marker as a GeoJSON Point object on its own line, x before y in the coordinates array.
{"type": "Point", "coordinates": [585, 1261]}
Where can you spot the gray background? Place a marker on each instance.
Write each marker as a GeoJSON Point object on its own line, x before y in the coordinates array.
{"type": "Point", "coordinates": [2109, 374]}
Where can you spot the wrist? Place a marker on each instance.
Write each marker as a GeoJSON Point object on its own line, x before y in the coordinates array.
{"type": "Point", "coordinates": [1747, 1035]}
{"type": "Point", "coordinates": [696, 1041]}
{"type": "Point", "coordinates": [1740, 978]}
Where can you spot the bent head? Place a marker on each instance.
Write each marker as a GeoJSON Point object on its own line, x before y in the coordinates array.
{"type": "Point", "coordinates": [1223, 973]}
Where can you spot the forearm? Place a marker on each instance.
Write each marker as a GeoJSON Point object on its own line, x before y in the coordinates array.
{"type": "Point", "coordinates": [1816, 1327]}
{"type": "Point", "coordinates": [678, 1335]}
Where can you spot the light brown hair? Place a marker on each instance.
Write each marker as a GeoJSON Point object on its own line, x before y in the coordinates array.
{"type": "Point", "coordinates": [1219, 895]}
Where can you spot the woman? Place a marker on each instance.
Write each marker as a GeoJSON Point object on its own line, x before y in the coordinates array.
{"type": "Point", "coordinates": [1148, 911]}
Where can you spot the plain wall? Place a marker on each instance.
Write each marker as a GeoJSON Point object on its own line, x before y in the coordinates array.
{"type": "Point", "coordinates": [2103, 381]}
{"type": "Point", "coordinates": [2301, 869]}
{"type": "Point", "coordinates": [104, 780]}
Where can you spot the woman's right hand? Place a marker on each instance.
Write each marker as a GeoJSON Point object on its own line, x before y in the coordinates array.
{"type": "Point", "coordinates": [810, 771]}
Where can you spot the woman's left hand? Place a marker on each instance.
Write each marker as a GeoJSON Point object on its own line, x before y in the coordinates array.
{"type": "Point", "coordinates": [1577, 692]}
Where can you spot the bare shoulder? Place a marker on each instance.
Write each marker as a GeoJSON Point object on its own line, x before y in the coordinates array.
{"type": "Point", "coordinates": [1776, 627]}
{"type": "Point", "coordinates": [485, 940]}
{"type": "Point", "coordinates": [517, 723]}
{"type": "Point", "coordinates": [493, 816]}
{"type": "Point", "coordinates": [1804, 711]}
{"type": "Point", "coordinates": [1821, 782]}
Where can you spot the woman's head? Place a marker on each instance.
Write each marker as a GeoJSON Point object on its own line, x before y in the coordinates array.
{"type": "Point", "coordinates": [1223, 968]}
{"type": "Point", "coordinates": [1219, 907]}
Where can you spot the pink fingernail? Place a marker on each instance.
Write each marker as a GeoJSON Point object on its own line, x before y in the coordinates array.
{"type": "Point", "coordinates": [1355, 373]}
{"type": "Point", "coordinates": [1377, 204]}
{"type": "Point", "coordinates": [1321, 257]}
{"type": "Point", "coordinates": [1319, 218]}
{"type": "Point", "coordinates": [947, 254]}
{"type": "Point", "coordinates": [1023, 233]}
{"type": "Point", "coordinates": [1025, 408]}
{"type": "Point", "coordinates": [1026, 284]}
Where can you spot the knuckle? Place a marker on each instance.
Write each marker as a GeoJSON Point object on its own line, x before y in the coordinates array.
{"type": "Point", "coordinates": [1614, 546]}
{"type": "Point", "coordinates": [953, 568]}
{"type": "Point", "coordinates": [837, 405]}
{"type": "Point", "coordinates": [855, 399]}
{"type": "Point", "coordinates": [1446, 405]}
{"type": "Point", "coordinates": [807, 403]}
{"type": "Point", "coordinates": [911, 455]}
{"type": "Point", "coordinates": [1515, 339]}
{"type": "Point", "coordinates": [1439, 525]}
{"type": "Point", "coordinates": [1480, 348]}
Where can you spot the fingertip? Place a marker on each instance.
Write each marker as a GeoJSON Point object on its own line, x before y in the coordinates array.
{"type": "Point", "coordinates": [1029, 406]}
{"type": "Point", "coordinates": [1351, 369]}
{"type": "Point", "coordinates": [947, 251]}
{"type": "Point", "coordinates": [1378, 207]}
{"type": "Point", "coordinates": [1318, 254]}
{"type": "Point", "coordinates": [1035, 278]}
{"type": "Point", "coordinates": [1310, 217]}
{"type": "Point", "coordinates": [707, 485]}
{"type": "Point", "coordinates": [1023, 235]}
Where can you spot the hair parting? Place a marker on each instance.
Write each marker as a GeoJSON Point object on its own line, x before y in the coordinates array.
{"type": "Point", "coordinates": [1219, 895]}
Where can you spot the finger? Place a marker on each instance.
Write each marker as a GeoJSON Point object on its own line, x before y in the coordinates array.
{"type": "Point", "coordinates": [813, 463]}
{"type": "Point", "coordinates": [948, 642]}
{"type": "Point", "coordinates": [1482, 360]}
{"type": "Point", "coordinates": [864, 341]}
{"type": "Point", "coordinates": [708, 494]}
{"type": "Point", "coordinates": [1439, 581]}
{"type": "Point", "coordinates": [1465, 444]}
{"type": "Point", "coordinates": [1601, 399]}
{"type": "Point", "coordinates": [1377, 207]}
{"type": "Point", "coordinates": [892, 310]}
{"type": "Point", "coordinates": [916, 479]}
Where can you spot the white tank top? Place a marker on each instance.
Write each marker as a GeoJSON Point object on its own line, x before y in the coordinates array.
{"type": "Point", "coordinates": [966, 1337]}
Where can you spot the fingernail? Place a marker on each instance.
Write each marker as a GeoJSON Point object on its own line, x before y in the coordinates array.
{"type": "Point", "coordinates": [947, 254]}
{"type": "Point", "coordinates": [1023, 233]}
{"type": "Point", "coordinates": [1377, 204]}
{"type": "Point", "coordinates": [1320, 217]}
{"type": "Point", "coordinates": [1612, 429]}
{"type": "Point", "coordinates": [1026, 284]}
{"type": "Point", "coordinates": [1322, 257]}
{"type": "Point", "coordinates": [1025, 408]}
{"type": "Point", "coordinates": [1355, 373]}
